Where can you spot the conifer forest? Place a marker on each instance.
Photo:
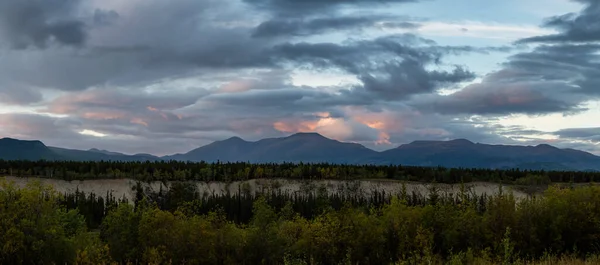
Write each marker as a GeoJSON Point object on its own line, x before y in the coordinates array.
{"type": "Point", "coordinates": [559, 224]}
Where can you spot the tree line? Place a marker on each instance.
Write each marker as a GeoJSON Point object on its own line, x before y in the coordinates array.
{"type": "Point", "coordinates": [38, 227]}
{"type": "Point", "coordinates": [237, 207]}
{"type": "Point", "coordinates": [202, 171]}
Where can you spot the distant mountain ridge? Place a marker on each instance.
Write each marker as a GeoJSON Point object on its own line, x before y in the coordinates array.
{"type": "Point", "coordinates": [300, 147]}
{"type": "Point", "coordinates": [315, 148]}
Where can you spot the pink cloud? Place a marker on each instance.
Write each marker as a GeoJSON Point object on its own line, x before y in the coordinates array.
{"type": "Point", "coordinates": [295, 126]}
{"type": "Point", "coordinates": [237, 86]}
{"type": "Point", "coordinates": [139, 121]}
{"type": "Point", "coordinates": [336, 128]}
{"type": "Point", "coordinates": [386, 121]}
{"type": "Point", "coordinates": [108, 115]}
{"type": "Point", "coordinates": [384, 139]}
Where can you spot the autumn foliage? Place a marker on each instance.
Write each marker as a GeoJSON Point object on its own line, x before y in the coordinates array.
{"type": "Point", "coordinates": [562, 226]}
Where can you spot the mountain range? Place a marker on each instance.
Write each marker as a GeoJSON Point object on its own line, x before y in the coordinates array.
{"type": "Point", "coordinates": [315, 148]}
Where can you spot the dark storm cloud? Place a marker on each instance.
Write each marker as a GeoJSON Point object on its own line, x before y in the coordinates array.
{"type": "Point", "coordinates": [579, 133]}
{"type": "Point", "coordinates": [574, 27]}
{"type": "Point", "coordinates": [557, 76]}
{"type": "Point", "coordinates": [305, 27]}
{"type": "Point", "coordinates": [357, 56]}
{"type": "Point", "coordinates": [25, 23]}
{"type": "Point", "coordinates": [503, 98]}
{"type": "Point", "coordinates": [548, 79]}
{"type": "Point", "coordinates": [106, 99]}
{"type": "Point", "coordinates": [302, 7]}
{"type": "Point", "coordinates": [14, 94]}
{"type": "Point", "coordinates": [390, 68]}
{"type": "Point", "coordinates": [312, 17]}
{"type": "Point", "coordinates": [142, 115]}
{"type": "Point", "coordinates": [104, 17]}
{"type": "Point", "coordinates": [264, 98]}
{"type": "Point", "coordinates": [110, 83]}
{"type": "Point", "coordinates": [272, 93]}
{"type": "Point", "coordinates": [289, 99]}
{"type": "Point", "coordinates": [132, 47]}
{"type": "Point", "coordinates": [576, 66]}
{"type": "Point", "coordinates": [32, 126]}
{"type": "Point", "coordinates": [137, 46]}
{"type": "Point", "coordinates": [167, 111]}
{"type": "Point", "coordinates": [409, 77]}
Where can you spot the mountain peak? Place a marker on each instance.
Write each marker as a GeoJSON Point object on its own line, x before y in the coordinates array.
{"type": "Point", "coordinates": [545, 146]}
{"type": "Point", "coordinates": [14, 149]}
{"type": "Point", "coordinates": [22, 142]}
{"type": "Point", "coordinates": [234, 139]}
{"type": "Point", "coordinates": [437, 143]}
{"type": "Point", "coordinates": [102, 151]}
{"type": "Point", "coordinates": [307, 135]}
{"type": "Point", "coordinates": [461, 141]}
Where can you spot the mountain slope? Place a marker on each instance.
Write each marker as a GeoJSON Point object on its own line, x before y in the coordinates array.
{"type": "Point", "coordinates": [463, 153]}
{"type": "Point", "coordinates": [301, 147]}
{"type": "Point", "coordinates": [232, 149]}
{"type": "Point", "coordinates": [314, 148]}
{"type": "Point", "coordinates": [13, 149]}
{"type": "Point", "coordinates": [91, 155]}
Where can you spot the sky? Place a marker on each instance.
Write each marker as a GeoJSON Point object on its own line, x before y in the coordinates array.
{"type": "Point", "coordinates": [165, 77]}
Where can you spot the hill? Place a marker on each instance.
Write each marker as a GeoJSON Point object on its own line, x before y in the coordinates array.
{"type": "Point", "coordinates": [315, 148]}
{"type": "Point", "coordinates": [463, 153]}
{"type": "Point", "coordinates": [300, 147]}
{"type": "Point", "coordinates": [13, 149]}
{"type": "Point", "coordinates": [97, 155]}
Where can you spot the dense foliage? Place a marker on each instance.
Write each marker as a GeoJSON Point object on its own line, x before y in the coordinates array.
{"type": "Point", "coordinates": [174, 170]}
{"type": "Point", "coordinates": [38, 226]}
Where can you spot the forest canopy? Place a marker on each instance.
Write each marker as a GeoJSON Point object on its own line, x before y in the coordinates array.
{"type": "Point", "coordinates": [201, 171]}
{"type": "Point", "coordinates": [37, 226]}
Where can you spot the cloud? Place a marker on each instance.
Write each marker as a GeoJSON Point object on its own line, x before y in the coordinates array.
{"type": "Point", "coordinates": [585, 139]}
{"type": "Point", "coordinates": [480, 30]}
{"type": "Point", "coordinates": [336, 128]}
{"type": "Point", "coordinates": [551, 78]}
{"type": "Point", "coordinates": [67, 132]}
{"type": "Point", "coordinates": [406, 78]}
{"type": "Point", "coordinates": [163, 98]}
{"type": "Point", "coordinates": [37, 23]}
{"type": "Point", "coordinates": [305, 27]}
{"type": "Point", "coordinates": [304, 7]}
{"type": "Point", "coordinates": [126, 46]}
{"type": "Point", "coordinates": [399, 25]}
{"type": "Point", "coordinates": [179, 74]}
{"type": "Point", "coordinates": [15, 94]}
{"type": "Point", "coordinates": [257, 80]}
{"type": "Point", "coordinates": [390, 68]}
{"type": "Point", "coordinates": [130, 43]}
{"type": "Point", "coordinates": [580, 133]}
{"type": "Point", "coordinates": [574, 27]}
{"type": "Point", "coordinates": [501, 94]}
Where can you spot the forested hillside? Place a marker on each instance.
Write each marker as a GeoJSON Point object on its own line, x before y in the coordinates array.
{"type": "Point", "coordinates": [315, 148]}
{"type": "Point", "coordinates": [38, 226]}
